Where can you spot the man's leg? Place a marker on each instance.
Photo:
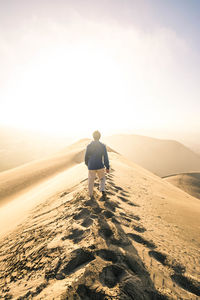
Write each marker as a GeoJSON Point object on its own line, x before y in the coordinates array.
{"type": "Point", "coordinates": [91, 178]}
{"type": "Point", "coordinates": [102, 178]}
{"type": "Point", "coordinates": [102, 184]}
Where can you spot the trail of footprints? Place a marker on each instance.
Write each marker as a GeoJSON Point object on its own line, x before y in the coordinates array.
{"type": "Point", "coordinates": [60, 266]}
{"type": "Point", "coordinates": [178, 277]}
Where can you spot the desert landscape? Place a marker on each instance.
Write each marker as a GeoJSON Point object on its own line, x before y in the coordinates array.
{"type": "Point", "coordinates": [160, 156]}
{"type": "Point", "coordinates": [22, 146]}
{"type": "Point", "coordinates": [142, 242]}
{"type": "Point", "coordinates": [109, 89]}
{"type": "Point", "coordinates": [189, 182]}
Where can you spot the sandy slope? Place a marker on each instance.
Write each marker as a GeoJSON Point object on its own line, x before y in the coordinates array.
{"type": "Point", "coordinates": [188, 182]}
{"type": "Point", "coordinates": [18, 147]}
{"type": "Point", "coordinates": [15, 181]}
{"type": "Point", "coordinates": [19, 205]}
{"type": "Point", "coordinates": [162, 157]}
{"type": "Point", "coordinates": [141, 243]}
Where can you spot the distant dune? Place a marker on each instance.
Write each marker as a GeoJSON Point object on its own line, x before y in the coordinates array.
{"type": "Point", "coordinates": [142, 242]}
{"type": "Point", "coordinates": [18, 147]}
{"type": "Point", "coordinates": [16, 180]}
{"type": "Point", "coordinates": [188, 182]}
{"type": "Point", "coordinates": [162, 157]}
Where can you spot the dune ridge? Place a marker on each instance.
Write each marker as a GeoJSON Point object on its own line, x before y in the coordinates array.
{"type": "Point", "coordinates": [188, 182]}
{"type": "Point", "coordinates": [19, 179]}
{"type": "Point", "coordinates": [161, 157]}
{"type": "Point", "coordinates": [141, 243]}
{"type": "Point", "coordinates": [22, 146]}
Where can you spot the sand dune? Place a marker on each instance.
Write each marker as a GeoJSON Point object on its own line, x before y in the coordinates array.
{"type": "Point", "coordinates": [162, 157]}
{"type": "Point", "coordinates": [19, 147]}
{"type": "Point", "coordinates": [19, 204]}
{"type": "Point", "coordinates": [16, 180]}
{"type": "Point", "coordinates": [20, 179]}
{"type": "Point", "coordinates": [141, 243]}
{"type": "Point", "coordinates": [188, 182]}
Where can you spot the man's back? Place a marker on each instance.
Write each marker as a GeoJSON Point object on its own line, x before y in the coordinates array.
{"type": "Point", "coordinates": [96, 159]}
{"type": "Point", "coordinates": [96, 156]}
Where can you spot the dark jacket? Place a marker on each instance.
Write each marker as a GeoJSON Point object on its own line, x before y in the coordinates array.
{"type": "Point", "coordinates": [96, 156]}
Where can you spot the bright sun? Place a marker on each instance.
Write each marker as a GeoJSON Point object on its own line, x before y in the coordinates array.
{"type": "Point", "coordinates": [72, 89]}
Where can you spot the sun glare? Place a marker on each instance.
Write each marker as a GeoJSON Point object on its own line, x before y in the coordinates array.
{"type": "Point", "coordinates": [86, 80]}
{"type": "Point", "coordinates": [75, 89]}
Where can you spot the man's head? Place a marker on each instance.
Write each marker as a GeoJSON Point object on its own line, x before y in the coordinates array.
{"type": "Point", "coordinates": [96, 135]}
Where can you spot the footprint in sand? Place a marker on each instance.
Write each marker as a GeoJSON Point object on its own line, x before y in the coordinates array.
{"type": "Point", "coordinates": [108, 214]}
{"type": "Point", "coordinates": [111, 205]}
{"type": "Point", "coordinates": [84, 212]}
{"type": "Point", "coordinates": [107, 255]}
{"type": "Point", "coordinates": [121, 242]}
{"type": "Point", "coordinates": [110, 182]}
{"type": "Point", "coordinates": [86, 292]}
{"type": "Point", "coordinates": [188, 284]}
{"type": "Point", "coordinates": [76, 235]}
{"type": "Point", "coordinates": [135, 265]}
{"type": "Point", "coordinates": [90, 203]}
{"type": "Point", "coordinates": [140, 229]}
{"type": "Point", "coordinates": [110, 193]}
{"type": "Point", "coordinates": [139, 239]}
{"type": "Point", "coordinates": [123, 199]}
{"type": "Point", "coordinates": [118, 189]}
{"type": "Point", "coordinates": [79, 258]}
{"type": "Point", "coordinates": [132, 216]}
{"type": "Point", "coordinates": [124, 193]}
{"type": "Point", "coordinates": [87, 222]}
{"type": "Point", "coordinates": [111, 275]}
{"type": "Point", "coordinates": [127, 201]}
{"type": "Point", "coordinates": [105, 231]}
{"type": "Point", "coordinates": [133, 204]}
{"type": "Point", "coordinates": [167, 261]}
{"type": "Point", "coordinates": [115, 221]}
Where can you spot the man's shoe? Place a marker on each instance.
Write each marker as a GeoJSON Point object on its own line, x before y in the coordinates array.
{"type": "Point", "coordinates": [103, 194]}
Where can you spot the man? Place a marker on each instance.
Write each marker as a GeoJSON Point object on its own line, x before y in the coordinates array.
{"type": "Point", "coordinates": [96, 159]}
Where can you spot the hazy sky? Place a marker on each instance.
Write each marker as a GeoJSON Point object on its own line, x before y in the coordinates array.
{"type": "Point", "coordinates": [117, 65]}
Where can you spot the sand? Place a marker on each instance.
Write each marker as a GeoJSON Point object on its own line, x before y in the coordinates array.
{"type": "Point", "coordinates": [188, 182]}
{"type": "Point", "coordinates": [142, 242]}
{"type": "Point", "coordinates": [15, 181]}
{"type": "Point", "coordinates": [160, 156]}
{"type": "Point", "coordinates": [18, 147]}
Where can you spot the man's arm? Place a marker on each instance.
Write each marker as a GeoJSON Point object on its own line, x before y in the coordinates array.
{"type": "Point", "coordinates": [106, 160]}
{"type": "Point", "coordinates": [86, 156]}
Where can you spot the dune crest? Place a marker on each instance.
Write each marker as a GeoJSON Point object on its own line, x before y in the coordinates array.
{"type": "Point", "coordinates": [20, 146]}
{"type": "Point", "coordinates": [188, 182]}
{"type": "Point", "coordinates": [141, 243]}
{"type": "Point", "coordinates": [160, 156]}
{"type": "Point", "coordinates": [15, 181]}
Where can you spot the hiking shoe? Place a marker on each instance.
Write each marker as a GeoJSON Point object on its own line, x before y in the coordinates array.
{"type": "Point", "coordinates": [103, 194]}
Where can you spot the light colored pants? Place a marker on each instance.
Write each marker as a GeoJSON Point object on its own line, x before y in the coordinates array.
{"type": "Point", "coordinates": [91, 178]}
